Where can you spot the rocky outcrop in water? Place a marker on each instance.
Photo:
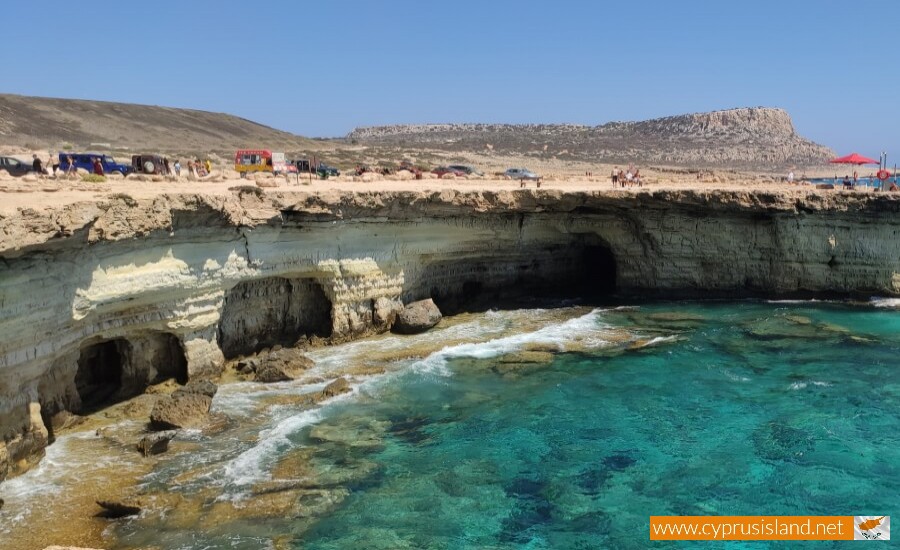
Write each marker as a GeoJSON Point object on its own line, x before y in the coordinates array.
{"type": "Point", "coordinates": [98, 300]}
{"type": "Point", "coordinates": [187, 407]}
{"type": "Point", "coordinates": [157, 443]}
{"type": "Point", "coordinates": [757, 137]}
{"type": "Point", "coordinates": [276, 365]}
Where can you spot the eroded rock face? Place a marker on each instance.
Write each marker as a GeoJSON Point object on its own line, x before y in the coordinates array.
{"type": "Point", "coordinates": [417, 317]}
{"type": "Point", "coordinates": [132, 284]}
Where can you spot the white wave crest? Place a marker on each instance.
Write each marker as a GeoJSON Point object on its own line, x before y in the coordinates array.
{"type": "Point", "coordinates": [246, 468]}
{"type": "Point", "coordinates": [586, 330]}
{"type": "Point", "coordinates": [802, 385]}
{"type": "Point", "coordinates": [885, 302]}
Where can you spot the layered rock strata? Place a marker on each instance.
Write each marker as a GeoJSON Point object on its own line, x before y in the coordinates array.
{"type": "Point", "coordinates": [97, 300]}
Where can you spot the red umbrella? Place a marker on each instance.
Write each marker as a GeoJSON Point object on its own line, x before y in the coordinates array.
{"type": "Point", "coordinates": [853, 158]}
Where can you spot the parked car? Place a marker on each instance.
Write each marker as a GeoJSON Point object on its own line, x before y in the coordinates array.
{"type": "Point", "coordinates": [325, 169]}
{"type": "Point", "coordinates": [321, 169]}
{"type": "Point", "coordinates": [523, 175]}
{"type": "Point", "coordinates": [85, 161]}
{"type": "Point", "coordinates": [15, 167]}
{"type": "Point", "coordinates": [468, 170]}
{"type": "Point", "coordinates": [441, 170]}
{"type": "Point", "coordinates": [149, 164]}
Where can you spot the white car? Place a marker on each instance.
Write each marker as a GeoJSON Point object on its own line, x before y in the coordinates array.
{"type": "Point", "coordinates": [522, 174]}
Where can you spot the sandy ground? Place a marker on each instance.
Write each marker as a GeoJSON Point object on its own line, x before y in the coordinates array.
{"type": "Point", "coordinates": [17, 193]}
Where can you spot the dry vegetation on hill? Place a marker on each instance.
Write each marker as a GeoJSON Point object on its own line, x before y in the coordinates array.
{"type": "Point", "coordinates": [37, 122]}
{"type": "Point", "coordinates": [753, 138]}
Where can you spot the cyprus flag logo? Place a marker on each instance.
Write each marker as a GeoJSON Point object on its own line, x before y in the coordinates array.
{"type": "Point", "coordinates": [871, 527]}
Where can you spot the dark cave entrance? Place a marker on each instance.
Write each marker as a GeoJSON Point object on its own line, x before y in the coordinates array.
{"type": "Point", "coordinates": [582, 269]}
{"type": "Point", "coordinates": [171, 360]}
{"type": "Point", "coordinates": [598, 272]}
{"type": "Point", "coordinates": [98, 379]}
{"type": "Point", "coordinates": [276, 310]}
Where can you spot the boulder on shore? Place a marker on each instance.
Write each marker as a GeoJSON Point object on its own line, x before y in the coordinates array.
{"type": "Point", "coordinates": [155, 443]}
{"type": "Point", "coordinates": [201, 387]}
{"type": "Point", "coordinates": [186, 410]}
{"type": "Point", "coordinates": [187, 407]}
{"type": "Point", "coordinates": [417, 317]}
{"type": "Point", "coordinates": [277, 365]}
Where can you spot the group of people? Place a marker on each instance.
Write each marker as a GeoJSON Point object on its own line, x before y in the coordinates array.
{"type": "Point", "coordinates": [196, 167]}
{"type": "Point", "coordinates": [621, 178]}
{"type": "Point", "coordinates": [851, 183]}
{"type": "Point", "coordinates": [53, 163]}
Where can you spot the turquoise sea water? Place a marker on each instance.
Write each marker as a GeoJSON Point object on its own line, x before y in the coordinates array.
{"type": "Point", "coordinates": [705, 409]}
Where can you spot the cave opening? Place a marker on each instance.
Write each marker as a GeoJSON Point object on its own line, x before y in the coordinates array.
{"type": "Point", "coordinates": [597, 271]}
{"type": "Point", "coordinates": [273, 311]}
{"type": "Point", "coordinates": [580, 267]}
{"type": "Point", "coordinates": [98, 379]}
{"type": "Point", "coordinates": [171, 360]}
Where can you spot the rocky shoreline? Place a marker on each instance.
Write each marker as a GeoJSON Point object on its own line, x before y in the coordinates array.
{"type": "Point", "coordinates": [140, 290]}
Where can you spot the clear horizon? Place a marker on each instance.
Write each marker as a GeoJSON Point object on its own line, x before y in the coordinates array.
{"type": "Point", "coordinates": [321, 70]}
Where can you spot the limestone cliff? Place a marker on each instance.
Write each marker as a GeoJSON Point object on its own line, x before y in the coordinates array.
{"type": "Point", "coordinates": [99, 299]}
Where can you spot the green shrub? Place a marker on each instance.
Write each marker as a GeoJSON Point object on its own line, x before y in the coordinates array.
{"type": "Point", "coordinates": [93, 178]}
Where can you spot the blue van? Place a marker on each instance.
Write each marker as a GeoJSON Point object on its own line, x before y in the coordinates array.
{"type": "Point", "coordinates": [86, 162]}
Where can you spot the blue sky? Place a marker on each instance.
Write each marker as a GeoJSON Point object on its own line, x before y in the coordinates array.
{"type": "Point", "coordinates": [321, 68]}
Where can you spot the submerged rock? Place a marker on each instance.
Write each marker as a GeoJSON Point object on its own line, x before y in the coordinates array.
{"type": "Point", "coordinates": [359, 433]}
{"type": "Point", "coordinates": [522, 362]}
{"type": "Point", "coordinates": [333, 389]}
{"type": "Point", "coordinates": [417, 317]}
{"type": "Point", "coordinates": [157, 443]}
{"type": "Point", "coordinates": [113, 509]}
{"type": "Point", "coordinates": [777, 441]}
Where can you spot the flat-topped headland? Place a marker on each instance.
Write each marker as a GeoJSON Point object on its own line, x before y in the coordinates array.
{"type": "Point", "coordinates": [100, 298]}
{"type": "Point", "coordinates": [750, 137]}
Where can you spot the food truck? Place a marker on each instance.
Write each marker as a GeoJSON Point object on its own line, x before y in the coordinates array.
{"type": "Point", "coordinates": [261, 160]}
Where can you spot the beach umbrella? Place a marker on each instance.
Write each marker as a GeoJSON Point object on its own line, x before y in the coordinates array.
{"type": "Point", "coordinates": [854, 158]}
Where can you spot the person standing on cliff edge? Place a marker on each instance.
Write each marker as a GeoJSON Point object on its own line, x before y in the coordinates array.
{"type": "Point", "coordinates": [37, 165]}
{"type": "Point", "coordinates": [791, 176]}
{"type": "Point", "coordinates": [615, 176]}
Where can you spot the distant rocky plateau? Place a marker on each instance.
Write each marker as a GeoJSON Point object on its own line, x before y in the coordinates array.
{"type": "Point", "coordinates": [751, 138]}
